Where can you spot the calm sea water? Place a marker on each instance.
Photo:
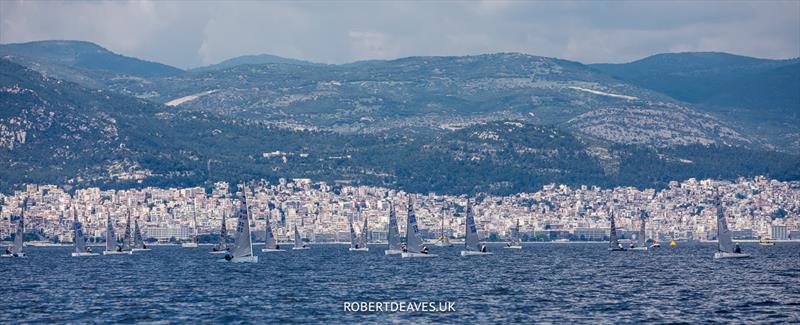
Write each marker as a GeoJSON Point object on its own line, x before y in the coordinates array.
{"type": "Point", "coordinates": [557, 283]}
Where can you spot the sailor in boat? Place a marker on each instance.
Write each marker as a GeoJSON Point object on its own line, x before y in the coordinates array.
{"type": "Point", "coordinates": [483, 248]}
{"type": "Point", "coordinates": [424, 249]}
{"type": "Point", "coordinates": [737, 249]}
{"type": "Point", "coordinates": [119, 248]}
{"type": "Point", "coordinates": [8, 251]}
{"type": "Point", "coordinates": [228, 257]}
{"type": "Point", "coordinates": [88, 249]}
{"type": "Point", "coordinates": [404, 248]}
{"type": "Point", "coordinates": [277, 246]}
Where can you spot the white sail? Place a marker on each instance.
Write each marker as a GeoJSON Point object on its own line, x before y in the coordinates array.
{"type": "Point", "coordinates": [243, 245]}
{"type": "Point", "coordinates": [298, 241]}
{"type": "Point", "coordinates": [640, 237]}
{"type": "Point", "coordinates": [515, 240]}
{"type": "Point", "coordinates": [271, 242]}
{"type": "Point", "coordinates": [471, 243]}
{"type": "Point", "coordinates": [19, 236]}
{"type": "Point", "coordinates": [394, 233]}
{"type": "Point", "coordinates": [413, 238]}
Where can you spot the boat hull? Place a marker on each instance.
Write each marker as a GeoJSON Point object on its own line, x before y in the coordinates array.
{"type": "Point", "coordinates": [361, 249]}
{"type": "Point", "coordinates": [474, 253]}
{"type": "Point", "coordinates": [13, 255]}
{"type": "Point", "coordinates": [413, 255]}
{"type": "Point", "coordinates": [392, 252]}
{"type": "Point", "coordinates": [189, 245]}
{"type": "Point", "coordinates": [616, 249]}
{"type": "Point", "coordinates": [638, 249]}
{"type": "Point", "coordinates": [514, 247]}
{"type": "Point", "coordinates": [84, 254]}
{"type": "Point", "coordinates": [117, 252]}
{"type": "Point", "coordinates": [272, 250]}
{"type": "Point", "coordinates": [243, 259]}
{"type": "Point", "coordinates": [300, 248]}
{"type": "Point", "coordinates": [720, 255]}
{"type": "Point", "coordinates": [440, 244]}
{"type": "Point", "coordinates": [655, 246]}
{"type": "Point", "coordinates": [218, 252]}
{"type": "Point", "coordinates": [141, 250]}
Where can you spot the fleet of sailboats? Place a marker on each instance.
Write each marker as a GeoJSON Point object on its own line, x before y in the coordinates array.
{"type": "Point", "coordinates": [242, 249]}
{"type": "Point", "coordinates": [472, 245]}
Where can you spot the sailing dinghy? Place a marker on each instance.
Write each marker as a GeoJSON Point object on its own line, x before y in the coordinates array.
{"type": "Point", "coordinates": [222, 246]}
{"type": "Point", "coordinates": [298, 241]}
{"type": "Point", "coordinates": [193, 242]}
{"type": "Point", "coordinates": [613, 241]}
{"type": "Point", "coordinates": [358, 244]}
{"type": "Point", "coordinates": [138, 241]}
{"type": "Point", "coordinates": [111, 240]}
{"type": "Point", "coordinates": [515, 242]}
{"type": "Point", "coordinates": [414, 245]}
{"type": "Point", "coordinates": [393, 235]}
{"type": "Point", "coordinates": [641, 244]}
{"type": "Point", "coordinates": [80, 248]}
{"type": "Point", "coordinates": [472, 246]}
{"type": "Point", "coordinates": [271, 244]}
{"type": "Point", "coordinates": [242, 250]}
{"type": "Point", "coordinates": [17, 249]}
{"type": "Point", "coordinates": [443, 241]}
{"type": "Point", "coordinates": [725, 246]}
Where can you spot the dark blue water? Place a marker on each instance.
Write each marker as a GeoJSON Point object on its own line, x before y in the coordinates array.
{"type": "Point", "coordinates": [558, 283]}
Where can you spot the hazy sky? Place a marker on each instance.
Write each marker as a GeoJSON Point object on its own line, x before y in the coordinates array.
{"type": "Point", "coordinates": [193, 33]}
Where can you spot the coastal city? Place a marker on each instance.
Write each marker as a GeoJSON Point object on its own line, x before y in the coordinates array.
{"type": "Point", "coordinates": [756, 208]}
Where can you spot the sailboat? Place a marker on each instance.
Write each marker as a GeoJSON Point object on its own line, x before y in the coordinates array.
{"type": "Point", "coordinates": [358, 244]}
{"type": "Point", "coordinates": [271, 244]}
{"type": "Point", "coordinates": [111, 240]}
{"type": "Point", "coordinates": [19, 240]}
{"type": "Point", "coordinates": [443, 241]}
{"type": "Point", "coordinates": [641, 244]}
{"type": "Point", "coordinates": [298, 241]}
{"type": "Point", "coordinates": [393, 234]}
{"type": "Point", "coordinates": [80, 248]}
{"type": "Point", "coordinates": [242, 250]}
{"type": "Point", "coordinates": [472, 246]}
{"type": "Point", "coordinates": [515, 242]}
{"type": "Point", "coordinates": [193, 242]}
{"type": "Point", "coordinates": [138, 241]}
{"type": "Point", "coordinates": [414, 246]}
{"type": "Point", "coordinates": [126, 236]}
{"type": "Point", "coordinates": [725, 246]}
{"type": "Point", "coordinates": [222, 246]}
{"type": "Point", "coordinates": [613, 241]}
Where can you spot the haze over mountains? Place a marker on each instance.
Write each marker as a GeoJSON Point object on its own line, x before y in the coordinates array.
{"type": "Point", "coordinates": [501, 122]}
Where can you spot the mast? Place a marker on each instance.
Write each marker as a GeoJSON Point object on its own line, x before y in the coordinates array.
{"type": "Point", "coordinates": [270, 242]}
{"type": "Point", "coordinates": [298, 241]}
{"type": "Point", "coordinates": [641, 236]}
{"type": "Point", "coordinates": [352, 233]}
{"type": "Point", "coordinates": [364, 233]}
{"type": "Point", "coordinates": [126, 237]}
